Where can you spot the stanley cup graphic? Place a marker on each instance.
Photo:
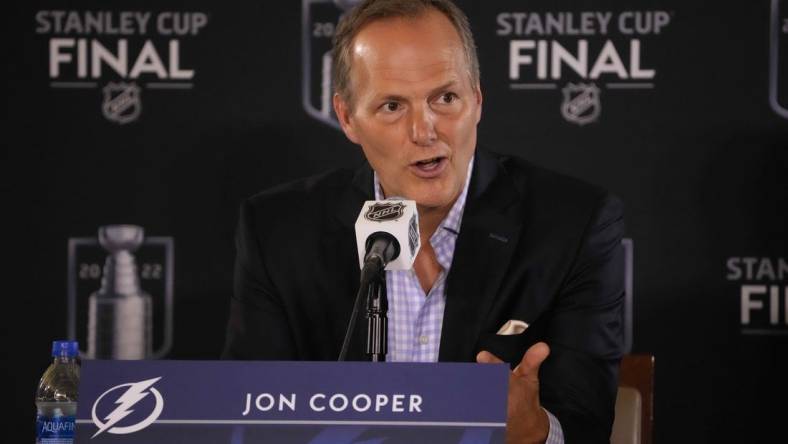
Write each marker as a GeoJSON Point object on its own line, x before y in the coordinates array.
{"type": "Point", "coordinates": [318, 24]}
{"type": "Point", "coordinates": [120, 313]}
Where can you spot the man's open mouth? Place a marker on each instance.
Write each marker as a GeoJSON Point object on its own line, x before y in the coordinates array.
{"type": "Point", "coordinates": [430, 168]}
{"type": "Point", "coordinates": [429, 164]}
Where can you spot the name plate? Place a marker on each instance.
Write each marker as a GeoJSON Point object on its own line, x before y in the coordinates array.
{"type": "Point", "coordinates": [243, 402]}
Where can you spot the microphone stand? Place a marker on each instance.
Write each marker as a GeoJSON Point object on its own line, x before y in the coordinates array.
{"type": "Point", "coordinates": [373, 290]}
{"type": "Point", "coordinates": [381, 248]}
{"type": "Point", "coordinates": [377, 320]}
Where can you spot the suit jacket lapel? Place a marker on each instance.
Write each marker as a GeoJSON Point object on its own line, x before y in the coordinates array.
{"type": "Point", "coordinates": [488, 236]}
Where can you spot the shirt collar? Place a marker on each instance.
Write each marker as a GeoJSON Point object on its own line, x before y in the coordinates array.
{"type": "Point", "coordinates": [451, 223]}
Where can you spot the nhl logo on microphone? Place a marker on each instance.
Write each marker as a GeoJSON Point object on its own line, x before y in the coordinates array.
{"type": "Point", "coordinates": [384, 211]}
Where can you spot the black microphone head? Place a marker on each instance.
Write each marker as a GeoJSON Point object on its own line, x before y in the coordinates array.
{"type": "Point", "coordinates": [383, 244]}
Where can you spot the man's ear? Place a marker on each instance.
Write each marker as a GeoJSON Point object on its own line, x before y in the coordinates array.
{"type": "Point", "coordinates": [478, 95]}
{"type": "Point", "coordinates": [342, 110]}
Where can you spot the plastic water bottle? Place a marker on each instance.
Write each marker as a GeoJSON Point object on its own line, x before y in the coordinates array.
{"type": "Point", "coordinates": [56, 398]}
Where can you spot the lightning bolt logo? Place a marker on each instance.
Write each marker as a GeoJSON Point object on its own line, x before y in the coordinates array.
{"type": "Point", "coordinates": [135, 393]}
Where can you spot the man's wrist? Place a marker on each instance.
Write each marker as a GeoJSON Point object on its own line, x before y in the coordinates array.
{"type": "Point", "coordinates": [555, 433]}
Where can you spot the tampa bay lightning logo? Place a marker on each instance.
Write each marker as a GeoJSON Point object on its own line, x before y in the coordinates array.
{"type": "Point", "coordinates": [134, 393]}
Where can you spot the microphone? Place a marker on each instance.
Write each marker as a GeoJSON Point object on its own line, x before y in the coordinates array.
{"type": "Point", "coordinates": [387, 234]}
{"type": "Point", "coordinates": [387, 238]}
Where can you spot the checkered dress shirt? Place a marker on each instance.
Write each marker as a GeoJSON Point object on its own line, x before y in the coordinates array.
{"type": "Point", "coordinates": [415, 318]}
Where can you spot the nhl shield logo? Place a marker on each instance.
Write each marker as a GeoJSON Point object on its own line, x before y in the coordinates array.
{"type": "Point", "coordinates": [121, 102]}
{"type": "Point", "coordinates": [319, 20]}
{"type": "Point", "coordinates": [778, 58]}
{"type": "Point", "coordinates": [581, 103]}
{"type": "Point", "coordinates": [413, 235]}
{"type": "Point", "coordinates": [382, 212]}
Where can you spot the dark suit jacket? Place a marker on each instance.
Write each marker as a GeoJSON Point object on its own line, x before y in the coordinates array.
{"type": "Point", "coordinates": [533, 245]}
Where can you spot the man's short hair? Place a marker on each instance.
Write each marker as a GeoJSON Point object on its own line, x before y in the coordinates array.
{"type": "Point", "coordinates": [369, 10]}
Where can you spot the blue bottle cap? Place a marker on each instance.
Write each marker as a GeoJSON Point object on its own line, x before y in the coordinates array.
{"type": "Point", "coordinates": [65, 349]}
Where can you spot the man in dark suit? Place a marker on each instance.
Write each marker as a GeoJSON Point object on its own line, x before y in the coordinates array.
{"type": "Point", "coordinates": [535, 266]}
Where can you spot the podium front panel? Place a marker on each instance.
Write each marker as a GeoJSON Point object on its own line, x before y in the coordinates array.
{"type": "Point", "coordinates": [242, 402]}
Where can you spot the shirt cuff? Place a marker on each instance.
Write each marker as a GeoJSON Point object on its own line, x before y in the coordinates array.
{"type": "Point", "coordinates": [556, 433]}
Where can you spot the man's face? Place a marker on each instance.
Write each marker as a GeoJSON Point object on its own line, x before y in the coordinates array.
{"type": "Point", "coordinates": [414, 110]}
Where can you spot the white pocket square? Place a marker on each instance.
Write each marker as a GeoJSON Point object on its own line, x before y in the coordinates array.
{"type": "Point", "coordinates": [512, 327]}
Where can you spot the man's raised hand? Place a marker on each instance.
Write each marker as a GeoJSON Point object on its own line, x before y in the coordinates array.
{"type": "Point", "coordinates": [526, 421]}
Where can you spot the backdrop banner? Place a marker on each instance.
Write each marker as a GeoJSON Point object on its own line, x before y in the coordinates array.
{"type": "Point", "coordinates": [149, 122]}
